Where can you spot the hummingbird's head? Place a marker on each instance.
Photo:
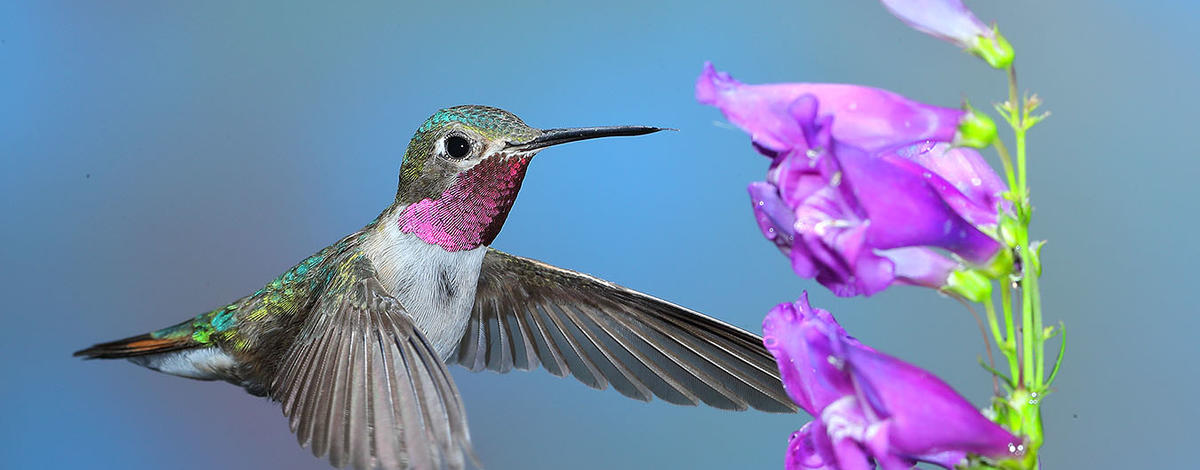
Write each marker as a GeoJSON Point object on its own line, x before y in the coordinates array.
{"type": "Point", "coordinates": [464, 167]}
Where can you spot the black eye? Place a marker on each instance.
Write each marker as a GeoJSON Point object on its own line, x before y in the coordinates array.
{"type": "Point", "coordinates": [457, 146]}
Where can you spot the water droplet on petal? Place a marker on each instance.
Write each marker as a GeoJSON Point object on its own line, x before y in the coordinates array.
{"type": "Point", "coordinates": [976, 181]}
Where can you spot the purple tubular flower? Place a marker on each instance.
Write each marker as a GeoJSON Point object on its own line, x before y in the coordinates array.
{"type": "Point", "coordinates": [869, 406]}
{"type": "Point", "coordinates": [864, 188]}
{"type": "Point", "coordinates": [951, 21]}
{"type": "Point", "coordinates": [868, 118]}
{"type": "Point", "coordinates": [948, 20]}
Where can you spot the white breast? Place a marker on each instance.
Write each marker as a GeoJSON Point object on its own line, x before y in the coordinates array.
{"type": "Point", "coordinates": [435, 286]}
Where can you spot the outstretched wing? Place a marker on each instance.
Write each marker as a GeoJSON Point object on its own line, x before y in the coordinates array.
{"type": "Point", "coordinates": [528, 312]}
{"type": "Point", "coordinates": [363, 385]}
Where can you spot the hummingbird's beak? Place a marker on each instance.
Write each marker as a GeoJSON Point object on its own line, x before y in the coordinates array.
{"type": "Point", "coordinates": [561, 136]}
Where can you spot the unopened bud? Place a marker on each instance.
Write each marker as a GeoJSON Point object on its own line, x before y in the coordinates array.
{"type": "Point", "coordinates": [975, 129]}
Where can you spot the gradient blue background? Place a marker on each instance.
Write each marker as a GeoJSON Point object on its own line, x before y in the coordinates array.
{"type": "Point", "coordinates": [161, 158]}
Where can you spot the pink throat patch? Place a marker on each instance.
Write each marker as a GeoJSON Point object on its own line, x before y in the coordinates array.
{"type": "Point", "coordinates": [471, 212]}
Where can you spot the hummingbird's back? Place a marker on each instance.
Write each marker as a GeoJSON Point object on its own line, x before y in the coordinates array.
{"type": "Point", "coordinates": [242, 342]}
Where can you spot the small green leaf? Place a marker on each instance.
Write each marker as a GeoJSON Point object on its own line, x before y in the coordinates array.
{"type": "Point", "coordinates": [1062, 349]}
{"type": "Point", "coordinates": [1008, 382]}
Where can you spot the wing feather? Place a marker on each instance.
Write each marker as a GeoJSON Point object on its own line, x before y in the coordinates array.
{"type": "Point", "coordinates": [529, 313]}
{"type": "Point", "coordinates": [362, 386]}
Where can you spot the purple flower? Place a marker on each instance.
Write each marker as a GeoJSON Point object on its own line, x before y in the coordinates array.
{"type": "Point", "coordinates": [868, 118]}
{"type": "Point", "coordinates": [868, 406]}
{"type": "Point", "coordinates": [864, 188]}
{"type": "Point", "coordinates": [950, 20]}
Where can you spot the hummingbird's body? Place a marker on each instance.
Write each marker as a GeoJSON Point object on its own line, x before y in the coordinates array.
{"type": "Point", "coordinates": [354, 339]}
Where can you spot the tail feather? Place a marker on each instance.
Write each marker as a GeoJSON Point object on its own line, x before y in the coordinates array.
{"type": "Point", "coordinates": [134, 346]}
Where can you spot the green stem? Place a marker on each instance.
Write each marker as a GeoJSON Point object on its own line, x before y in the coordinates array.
{"type": "Point", "coordinates": [1010, 330]}
{"type": "Point", "coordinates": [1006, 160]}
{"type": "Point", "coordinates": [1022, 410]}
{"type": "Point", "coordinates": [1039, 335]}
{"type": "Point", "coordinates": [1030, 337]}
{"type": "Point", "coordinates": [1027, 333]}
{"type": "Point", "coordinates": [1022, 191]}
{"type": "Point", "coordinates": [990, 308]}
{"type": "Point", "coordinates": [1012, 85]}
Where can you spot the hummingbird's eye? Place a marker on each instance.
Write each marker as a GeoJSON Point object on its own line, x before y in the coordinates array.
{"type": "Point", "coordinates": [457, 146]}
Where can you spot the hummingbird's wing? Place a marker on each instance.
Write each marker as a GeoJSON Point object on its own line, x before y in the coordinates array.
{"type": "Point", "coordinates": [363, 385]}
{"type": "Point", "coordinates": [528, 312]}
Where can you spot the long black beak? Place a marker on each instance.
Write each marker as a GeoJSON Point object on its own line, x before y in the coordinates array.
{"type": "Point", "coordinates": [561, 136]}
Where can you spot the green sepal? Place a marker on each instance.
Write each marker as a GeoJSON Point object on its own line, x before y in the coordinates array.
{"type": "Point", "coordinates": [996, 51]}
{"type": "Point", "coordinates": [971, 284]}
{"type": "Point", "coordinates": [1036, 251]}
{"type": "Point", "coordinates": [1000, 265]}
{"type": "Point", "coordinates": [1009, 228]}
{"type": "Point", "coordinates": [975, 129]}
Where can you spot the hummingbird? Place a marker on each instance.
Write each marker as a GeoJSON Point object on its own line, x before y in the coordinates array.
{"type": "Point", "coordinates": [354, 341]}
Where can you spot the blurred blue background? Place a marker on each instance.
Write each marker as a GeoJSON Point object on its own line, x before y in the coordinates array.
{"type": "Point", "coordinates": [161, 158]}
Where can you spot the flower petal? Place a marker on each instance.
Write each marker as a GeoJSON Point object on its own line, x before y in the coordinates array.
{"type": "Point", "coordinates": [905, 209]}
{"type": "Point", "coordinates": [796, 334]}
{"type": "Point", "coordinates": [809, 449]}
{"type": "Point", "coordinates": [948, 20]}
{"type": "Point", "coordinates": [866, 117]}
{"type": "Point", "coordinates": [869, 406]}
{"type": "Point", "coordinates": [774, 218]}
{"type": "Point", "coordinates": [970, 185]}
{"type": "Point", "coordinates": [925, 415]}
{"type": "Point", "coordinates": [920, 266]}
{"type": "Point", "coordinates": [764, 116]}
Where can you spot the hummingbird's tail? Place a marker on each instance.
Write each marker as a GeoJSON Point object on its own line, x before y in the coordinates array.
{"type": "Point", "coordinates": [134, 346]}
{"type": "Point", "coordinates": [192, 333]}
{"type": "Point", "coordinates": [174, 350]}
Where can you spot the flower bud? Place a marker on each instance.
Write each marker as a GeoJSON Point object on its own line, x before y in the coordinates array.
{"type": "Point", "coordinates": [975, 129]}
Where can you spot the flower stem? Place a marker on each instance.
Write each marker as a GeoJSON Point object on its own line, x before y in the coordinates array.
{"type": "Point", "coordinates": [1017, 120]}
{"type": "Point", "coordinates": [1027, 332]}
{"type": "Point", "coordinates": [1010, 344]}
{"type": "Point", "coordinates": [1006, 160]}
{"type": "Point", "coordinates": [990, 308]}
{"type": "Point", "coordinates": [1039, 335]}
{"type": "Point", "coordinates": [1012, 84]}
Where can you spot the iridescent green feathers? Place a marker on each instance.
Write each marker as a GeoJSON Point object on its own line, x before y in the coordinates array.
{"type": "Point", "coordinates": [285, 295]}
{"type": "Point", "coordinates": [236, 326]}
